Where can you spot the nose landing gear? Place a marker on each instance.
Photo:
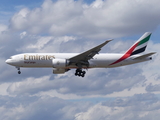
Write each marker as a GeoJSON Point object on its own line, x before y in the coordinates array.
{"type": "Point", "coordinates": [18, 68]}
{"type": "Point", "coordinates": [19, 72]}
{"type": "Point", "coordinates": [80, 73]}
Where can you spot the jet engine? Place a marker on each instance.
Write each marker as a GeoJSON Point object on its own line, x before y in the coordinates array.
{"type": "Point", "coordinates": [59, 63]}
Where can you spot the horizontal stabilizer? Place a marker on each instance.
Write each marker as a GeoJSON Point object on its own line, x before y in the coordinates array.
{"type": "Point", "coordinates": [144, 56]}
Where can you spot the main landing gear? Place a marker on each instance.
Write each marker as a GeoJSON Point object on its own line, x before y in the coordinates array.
{"type": "Point", "coordinates": [18, 68]}
{"type": "Point", "coordinates": [79, 73]}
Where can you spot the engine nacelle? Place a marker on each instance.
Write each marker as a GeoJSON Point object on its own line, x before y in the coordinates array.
{"type": "Point", "coordinates": [59, 63]}
{"type": "Point", "coordinates": [59, 70]}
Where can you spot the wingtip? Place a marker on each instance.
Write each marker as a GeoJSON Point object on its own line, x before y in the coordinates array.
{"type": "Point", "coordinates": [109, 40]}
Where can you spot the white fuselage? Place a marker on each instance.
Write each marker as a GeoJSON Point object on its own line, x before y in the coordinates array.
{"type": "Point", "coordinates": [46, 60]}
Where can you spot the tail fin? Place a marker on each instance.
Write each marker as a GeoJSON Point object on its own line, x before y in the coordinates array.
{"type": "Point", "coordinates": [136, 48]}
{"type": "Point", "coordinates": [140, 45]}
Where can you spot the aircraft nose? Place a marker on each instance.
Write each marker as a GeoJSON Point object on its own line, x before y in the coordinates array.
{"type": "Point", "coordinates": [8, 61]}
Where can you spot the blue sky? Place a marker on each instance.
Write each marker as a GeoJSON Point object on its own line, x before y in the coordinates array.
{"type": "Point", "coordinates": [57, 26]}
{"type": "Point", "coordinates": [10, 5]}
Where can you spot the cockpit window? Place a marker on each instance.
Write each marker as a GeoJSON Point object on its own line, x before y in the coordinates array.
{"type": "Point", "coordinates": [11, 57]}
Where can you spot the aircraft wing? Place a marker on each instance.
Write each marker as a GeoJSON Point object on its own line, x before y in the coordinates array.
{"type": "Point", "coordinates": [85, 56]}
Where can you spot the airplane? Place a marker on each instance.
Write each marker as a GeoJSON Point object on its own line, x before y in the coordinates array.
{"type": "Point", "coordinates": [63, 62]}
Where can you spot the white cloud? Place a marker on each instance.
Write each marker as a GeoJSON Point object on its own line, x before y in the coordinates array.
{"type": "Point", "coordinates": [3, 28]}
{"type": "Point", "coordinates": [40, 43]}
{"type": "Point", "coordinates": [19, 21]}
{"type": "Point", "coordinates": [139, 107]}
{"type": "Point", "coordinates": [26, 107]}
{"type": "Point", "coordinates": [23, 34]}
{"type": "Point", "coordinates": [97, 4]}
{"type": "Point", "coordinates": [31, 108]}
{"type": "Point", "coordinates": [101, 19]}
{"type": "Point", "coordinates": [49, 44]}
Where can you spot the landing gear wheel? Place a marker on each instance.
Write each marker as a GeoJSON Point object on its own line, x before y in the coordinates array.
{"type": "Point", "coordinates": [80, 73]}
{"type": "Point", "coordinates": [83, 73]}
{"type": "Point", "coordinates": [19, 72]}
{"type": "Point", "coordinates": [18, 68]}
{"type": "Point", "coordinates": [76, 74]}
